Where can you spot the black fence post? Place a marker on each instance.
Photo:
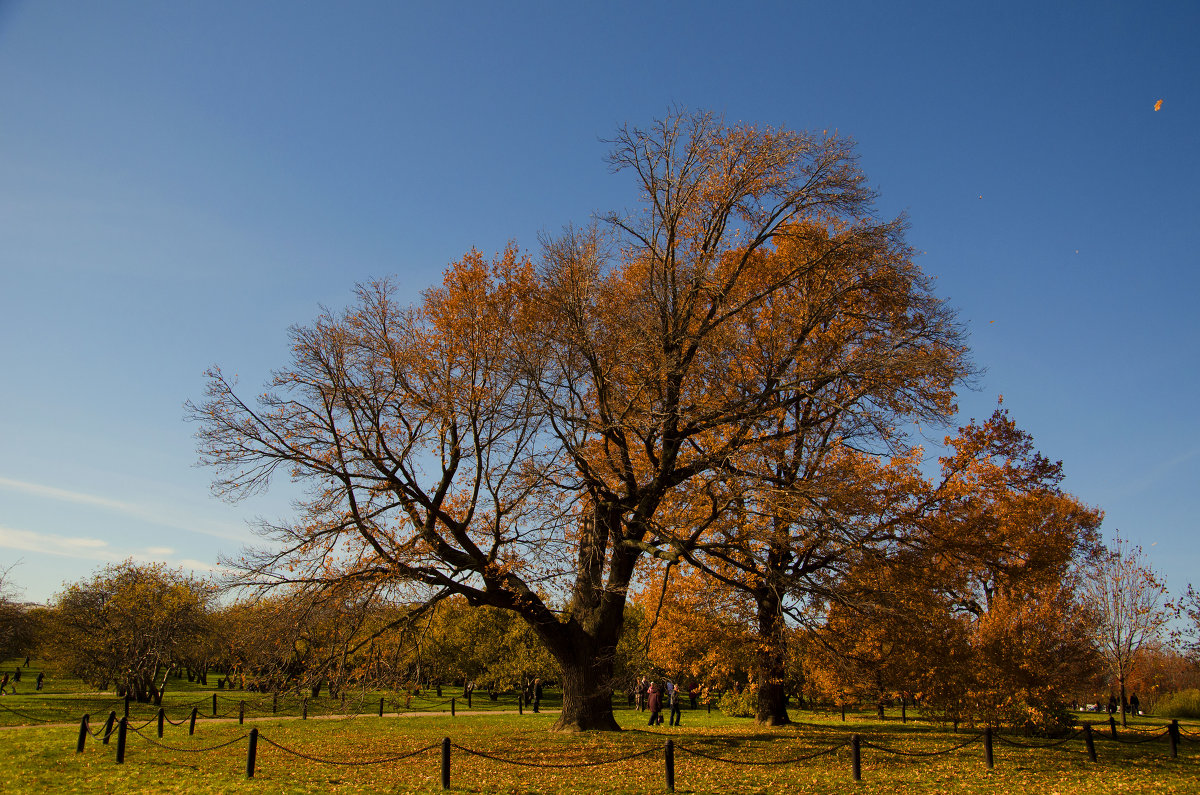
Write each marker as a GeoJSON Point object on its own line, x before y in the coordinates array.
{"type": "Point", "coordinates": [452, 708]}
{"type": "Point", "coordinates": [710, 706]}
{"type": "Point", "coordinates": [121, 728]}
{"type": "Point", "coordinates": [108, 725]}
{"type": "Point", "coordinates": [1173, 733]}
{"type": "Point", "coordinates": [469, 700]}
{"type": "Point", "coordinates": [162, 713]}
{"type": "Point", "coordinates": [381, 706]}
{"type": "Point", "coordinates": [214, 705]}
{"type": "Point", "coordinates": [1089, 741]}
{"type": "Point", "coordinates": [843, 713]}
{"type": "Point", "coordinates": [856, 757]}
{"type": "Point", "coordinates": [127, 706]}
{"type": "Point", "coordinates": [304, 709]}
{"type": "Point", "coordinates": [241, 712]}
{"type": "Point", "coordinates": [1112, 726]}
{"type": "Point", "coordinates": [446, 762]}
{"type": "Point", "coordinates": [521, 704]}
{"type": "Point", "coordinates": [251, 753]}
{"type": "Point", "coordinates": [192, 723]}
{"type": "Point", "coordinates": [987, 747]}
{"type": "Point", "coordinates": [83, 733]}
{"type": "Point", "coordinates": [669, 758]}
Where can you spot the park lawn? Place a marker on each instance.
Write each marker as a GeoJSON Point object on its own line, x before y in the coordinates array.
{"type": "Point", "coordinates": [44, 759]}
{"type": "Point", "coordinates": [66, 700]}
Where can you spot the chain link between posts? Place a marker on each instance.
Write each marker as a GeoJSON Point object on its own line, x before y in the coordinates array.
{"type": "Point", "coordinates": [1000, 738]}
{"type": "Point", "coordinates": [898, 752]}
{"type": "Point", "coordinates": [792, 760]}
{"type": "Point", "coordinates": [522, 763]}
{"type": "Point", "coordinates": [190, 750]}
{"type": "Point", "coordinates": [345, 762]}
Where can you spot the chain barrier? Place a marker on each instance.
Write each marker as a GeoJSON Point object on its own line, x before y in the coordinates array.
{"type": "Point", "coordinates": [817, 726]}
{"type": "Point", "coordinates": [189, 750]}
{"type": "Point", "coordinates": [1000, 738]}
{"type": "Point", "coordinates": [897, 752]}
{"type": "Point", "coordinates": [793, 760]}
{"type": "Point", "coordinates": [346, 762]}
{"type": "Point", "coordinates": [432, 707]}
{"type": "Point", "coordinates": [1138, 741]}
{"type": "Point", "coordinates": [1133, 729]}
{"type": "Point", "coordinates": [27, 716]}
{"type": "Point", "coordinates": [521, 763]}
{"type": "Point", "coordinates": [131, 727]}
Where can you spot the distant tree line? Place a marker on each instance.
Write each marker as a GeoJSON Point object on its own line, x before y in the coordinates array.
{"type": "Point", "coordinates": [1032, 650]}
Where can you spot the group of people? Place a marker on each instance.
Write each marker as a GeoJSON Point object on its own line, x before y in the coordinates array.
{"type": "Point", "coordinates": [654, 696]}
{"type": "Point", "coordinates": [1132, 706]}
{"type": "Point", "coordinates": [532, 694]}
{"type": "Point", "coordinates": [6, 688]}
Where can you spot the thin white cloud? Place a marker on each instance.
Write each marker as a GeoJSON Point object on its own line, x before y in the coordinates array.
{"type": "Point", "coordinates": [63, 495]}
{"type": "Point", "coordinates": [95, 549]}
{"type": "Point", "coordinates": [51, 544]}
{"type": "Point", "coordinates": [119, 506]}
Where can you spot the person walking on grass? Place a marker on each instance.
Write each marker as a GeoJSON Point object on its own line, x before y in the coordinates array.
{"type": "Point", "coordinates": [675, 713]}
{"type": "Point", "coordinates": [654, 703]}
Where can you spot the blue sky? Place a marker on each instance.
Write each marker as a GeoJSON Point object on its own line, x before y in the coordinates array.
{"type": "Point", "coordinates": [180, 182]}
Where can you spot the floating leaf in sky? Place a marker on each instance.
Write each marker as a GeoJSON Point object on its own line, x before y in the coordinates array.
{"type": "Point", "coordinates": [1158, 105]}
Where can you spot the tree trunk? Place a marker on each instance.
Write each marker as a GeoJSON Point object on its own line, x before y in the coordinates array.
{"type": "Point", "coordinates": [587, 691]}
{"type": "Point", "coordinates": [1124, 721]}
{"type": "Point", "coordinates": [585, 646]}
{"type": "Point", "coordinates": [770, 662]}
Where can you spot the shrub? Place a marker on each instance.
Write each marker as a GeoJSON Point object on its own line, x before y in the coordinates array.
{"type": "Point", "coordinates": [1183, 704]}
{"type": "Point", "coordinates": [739, 705]}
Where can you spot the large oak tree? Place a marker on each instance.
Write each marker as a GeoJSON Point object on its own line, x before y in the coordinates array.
{"type": "Point", "coordinates": [516, 438]}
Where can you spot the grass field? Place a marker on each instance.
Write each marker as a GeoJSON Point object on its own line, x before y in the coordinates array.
{"type": "Point", "coordinates": [40, 758]}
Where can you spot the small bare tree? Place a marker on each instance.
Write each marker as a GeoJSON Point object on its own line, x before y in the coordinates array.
{"type": "Point", "coordinates": [1126, 598]}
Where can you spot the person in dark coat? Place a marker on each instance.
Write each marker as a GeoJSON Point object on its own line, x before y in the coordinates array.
{"type": "Point", "coordinates": [654, 703]}
{"type": "Point", "coordinates": [676, 698]}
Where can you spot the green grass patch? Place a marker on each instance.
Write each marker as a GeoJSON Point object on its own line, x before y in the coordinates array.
{"type": "Point", "coordinates": [45, 758]}
{"type": "Point", "coordinates": [65, 700]}
{"type": "Point", "coordinates": [40, 757]}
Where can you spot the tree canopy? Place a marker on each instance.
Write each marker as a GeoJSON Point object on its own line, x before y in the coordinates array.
{"type": "Point", "coordinates": [126, 625]}
{"type": "Point", "coordinates": [522, 436]}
